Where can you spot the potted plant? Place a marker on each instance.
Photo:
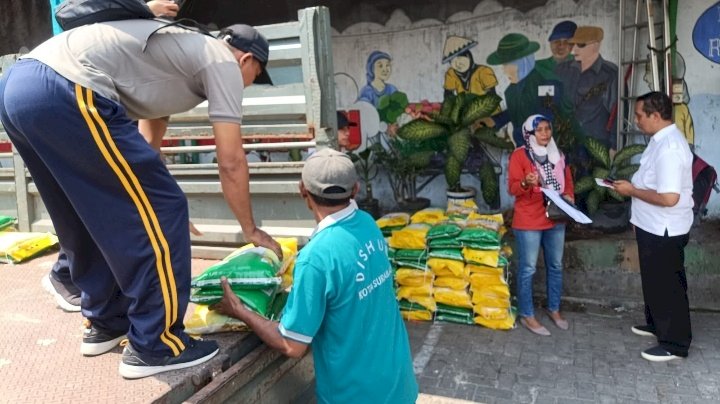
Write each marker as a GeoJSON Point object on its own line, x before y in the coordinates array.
{"type": "Point", "coordinates": [456, 126]}
{"type": "Point", "coordinates": [367, 170]}
{"type": "Point", "coordinates": [608, 208]}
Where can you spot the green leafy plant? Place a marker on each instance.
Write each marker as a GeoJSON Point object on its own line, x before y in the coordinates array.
{"type": "Point", "coordinates": [366, 167]}
{"type": "Point", "coordinates": [618, 167]}
{"type": "Point", "coordinates": [455, 127]}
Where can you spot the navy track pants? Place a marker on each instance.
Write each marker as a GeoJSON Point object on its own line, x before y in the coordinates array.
{"type": "Point", "coordinates": [120, 216]}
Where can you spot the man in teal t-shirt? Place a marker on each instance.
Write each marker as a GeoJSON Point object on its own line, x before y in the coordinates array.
{"type": "Point", "coordinates": [342, 302]}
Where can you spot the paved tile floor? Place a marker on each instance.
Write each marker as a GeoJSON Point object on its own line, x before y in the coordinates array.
{"type": "Point", "coordinates": [596, 361]}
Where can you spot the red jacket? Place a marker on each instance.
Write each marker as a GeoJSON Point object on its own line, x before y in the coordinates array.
{"type": "Point", "coordinates": [529, 209]}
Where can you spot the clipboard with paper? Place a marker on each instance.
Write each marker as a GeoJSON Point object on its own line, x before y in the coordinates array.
{"type": "Point", "coordinates": [573, 212]}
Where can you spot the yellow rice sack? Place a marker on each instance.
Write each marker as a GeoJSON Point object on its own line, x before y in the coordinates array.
{"type": "Point", "coordinates": [19, 246]}
{"type": "Point", "coordinates": [496, 218]}
{"type": "Point", "coordinates": [406, 292]}
{"type": "Point", "coordinates": [427, 302]}
{"type": "Point", "coordinates": [507, 323]}
{"type": "Point", "coordinates": [413, 277]}
{"type": "Point", "coordinates": [484, 269]}
{"type": "Point", "coordinates": [480, 280]}
{"type": "Point", "coordinates": [491, 296]}
{"type": "Point", "coordinates": [447, 267]}
{"type": "Point", "coordinates": [416, 315]}
{"type": "Point", "coordinates": [411, 237]}
{"type": "Point", "coordinates": [393, 220]}
{"type": "Point", "coordinates": [429, 216]}
{"type": "Point", "coordinates": [483, 257]}
{"type": "Point", "coordinates": [461, 207]}
{"type": "Point", "coordinates": [450, 282]}
{"type": "Point", "coordinates": [205, 321]}
{"type": "Point", "coordinates": [451, 297]}
{"type": "Point", "coordinates": [492, 313]}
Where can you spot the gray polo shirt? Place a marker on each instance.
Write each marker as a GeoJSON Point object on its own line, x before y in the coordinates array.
{"type": "Point", "coordinates": [178, 69]}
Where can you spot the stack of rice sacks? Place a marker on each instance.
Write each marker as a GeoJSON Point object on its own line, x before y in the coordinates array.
{"type": "Point", "coordinates": [450, 266]}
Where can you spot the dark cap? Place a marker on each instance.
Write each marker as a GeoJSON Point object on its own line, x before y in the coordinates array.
{"type": "Point", "coordinates": [248, 39]}
{"type": "Point", "coordinates": [329, 174]}
{"type": "Point", "coordinates": [343, 121]}
{"type": "Point", "coordinates": [563, 30]}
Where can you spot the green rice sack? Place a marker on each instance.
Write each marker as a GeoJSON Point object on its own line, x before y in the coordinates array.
{"type": "Point", "coordinates": [257, 300]}
{"type": "Point", "coordinates": [253, 268]}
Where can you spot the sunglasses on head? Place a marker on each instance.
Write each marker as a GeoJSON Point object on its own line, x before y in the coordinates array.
{"type": "Point", "coordinates": [582, 45]}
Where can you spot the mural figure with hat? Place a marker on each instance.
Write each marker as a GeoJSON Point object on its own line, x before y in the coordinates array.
{"type": "Point", "coordinates": [464, 75]}
{"type": "Point", "coordinates": [529, 92]}
{"type": "Point", "coordinates": [591, 86]}
{"type": "Point", "coordinates": [377, 71]}
{"type": "Point", "coordinates": [560, 47]}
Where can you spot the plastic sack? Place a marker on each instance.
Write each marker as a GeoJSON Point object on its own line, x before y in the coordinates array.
{"type": "Point", "coordinates": [450, 282]}
{"type": "Point", "coordinates": [452, 314]}
{"type": "Point", "coordinates": [416, 315]}
{"type": "Point", "coordinates": [254, 267]}
{"type": "Point", "coordinates": [492, 221]}
{"type": "Point", "coordinates": [491, 296]}
{"type": "Point", "coordinates": [444, 243]}
{"type": "Point", "coordinates": [480, 238]}
{"type": "Point", "coordinates": [447, 253]}
{"type": "Point", "coordinates": [451, 297]}
{"type": "Point", "coordinates": [257, 300]}
{"type": "Point", "coordinates": [6, 221]}
{"type": "Point", "coordinates": [485, 269]}
{"type": "Point", "coordinates": [461, 206]}
{"type": "Point", "coordinates": [406, 292]}
{"type": "Point", "coordinates": [447, 267]}
{"type": "Point", "coordinates": [425, 301]}
{"type": "Point", "coordinates": [413, 277]}
{"type": "Point", "coordinates": [19, 246]}
{"type": "Point", "coordinates": [480, 280]}
{"type": "Point", "coordinates": [411, 237]}
{"type": "Point", "coordinates": [447, 230]}
{"type": "Point", "coordinates": [507, 323]}
{"type": "Point", "coordinates": [482, 257]}
{"type": "Point", "coordinates": [399, 219]}
{"type": "Point", "coordinates": [205, 321]}
{"type": "Point", "coordinates": [387, 231]}
{"type": "Point", "coordinates": [492, 313]}
{"type": "Point", "coordinates": [428, 215]}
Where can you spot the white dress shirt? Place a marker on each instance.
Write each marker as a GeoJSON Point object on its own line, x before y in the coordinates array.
{"type": "Point", "coordinates": [665, 167]}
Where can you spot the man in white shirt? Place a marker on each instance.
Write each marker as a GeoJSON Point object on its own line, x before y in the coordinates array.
{"type": "Point", "coordinates": [662, 203]}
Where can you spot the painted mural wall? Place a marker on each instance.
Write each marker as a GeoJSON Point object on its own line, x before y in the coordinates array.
{"type": "Point", "coordinates": [472, 51]}
{"type": "Point", "coordinates": [698, 32]}
{"type": "Point", "coordinates": [557, 60]}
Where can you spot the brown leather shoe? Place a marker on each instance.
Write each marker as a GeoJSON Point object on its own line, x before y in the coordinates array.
{"type": "Point", "coordinates": [538, 330]}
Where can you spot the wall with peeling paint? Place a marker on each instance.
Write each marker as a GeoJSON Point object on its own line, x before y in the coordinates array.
{"type": "Point", "coordinates": [703, 80]}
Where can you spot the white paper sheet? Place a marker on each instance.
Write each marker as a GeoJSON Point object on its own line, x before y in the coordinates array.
{"type": "Point", "coordinates": [558, 200]}
{"type": "Point", "coordinates": [602, 183]}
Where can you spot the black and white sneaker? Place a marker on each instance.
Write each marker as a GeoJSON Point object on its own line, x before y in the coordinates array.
{"type": "Point", "coordinates": [97, 341]}
{"type": "Point", "coordinates": [658, 354]}
{"type": "Point", "coordinates": [643, 330]}
{"type": "Point", "coordinates": [135, 365]}
{"type": "Point", "coordinates": [67, 296]}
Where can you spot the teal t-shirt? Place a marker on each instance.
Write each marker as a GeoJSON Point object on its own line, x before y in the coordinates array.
{"type": "Point", "coordinates": [343, 303]}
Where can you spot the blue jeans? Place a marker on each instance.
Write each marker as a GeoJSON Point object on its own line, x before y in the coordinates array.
{"type": "Point", "coordinates": [528, 243]}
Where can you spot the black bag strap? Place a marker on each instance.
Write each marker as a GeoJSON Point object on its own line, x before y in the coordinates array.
{"type": "Point", "coordinates": [185, 23]}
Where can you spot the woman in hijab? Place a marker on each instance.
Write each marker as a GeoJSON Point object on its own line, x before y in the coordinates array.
{"type": "Point", "coordinates": [538, 164]}
{"type": "Point", "coordinates": [378, 70]}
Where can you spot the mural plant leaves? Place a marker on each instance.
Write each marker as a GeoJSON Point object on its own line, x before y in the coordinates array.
{"type": "Point", "coordinates": [390, 107]}
{"type": "Point", "coordinates": [480, 107]}
{"type": "Point", "coordinates": [420, 129]}
{"type": "Point", "coordinates": [489, 185]}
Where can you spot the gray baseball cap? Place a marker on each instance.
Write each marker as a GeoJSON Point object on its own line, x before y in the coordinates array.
{"type": "Point", "coordinates": [329, 174]}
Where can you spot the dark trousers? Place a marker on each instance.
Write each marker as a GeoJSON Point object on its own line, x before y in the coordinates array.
{"type": "Point", "coordinates": [120, 216]}
{"type": "Point", "coordinates": [664, 285]}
